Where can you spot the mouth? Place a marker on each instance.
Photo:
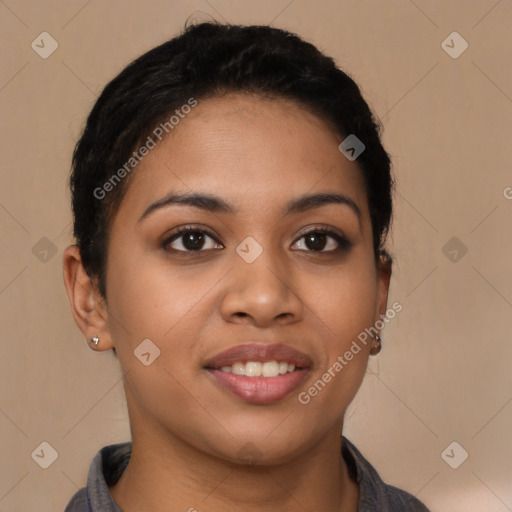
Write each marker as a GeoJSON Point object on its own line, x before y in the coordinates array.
{"type": "Point", "coordinates": [265, 369]}
{"type": "Point", "coordinates": [259, 374]}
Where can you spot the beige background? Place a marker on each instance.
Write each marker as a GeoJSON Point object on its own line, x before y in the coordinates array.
{"type": "Point", "coordinates": [444, 374]}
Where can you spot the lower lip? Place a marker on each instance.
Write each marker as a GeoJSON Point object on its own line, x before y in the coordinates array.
{"type": "Point", "coordinates": [259, 390]}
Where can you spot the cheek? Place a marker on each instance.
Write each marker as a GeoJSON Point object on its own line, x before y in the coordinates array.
{"type": "Point", "coordinates": [162, 396]}
{"type": "Point", "coordinates": [345, 300]}
{"type": "Point", "coordinates": [147, 297]}
{"type": "Point", "coordinates": [345, 306]}
{"type": "Point", "coordinates": [148, 300]}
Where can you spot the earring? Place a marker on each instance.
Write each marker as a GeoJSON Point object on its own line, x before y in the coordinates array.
{"type": "Point", "coordinates": [376, 347]}
{"type": "Point", "coordinates": [93, 342]}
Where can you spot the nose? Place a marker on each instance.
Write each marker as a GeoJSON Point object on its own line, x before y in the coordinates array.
{"type": "Point", "coordinates": [260, 293]}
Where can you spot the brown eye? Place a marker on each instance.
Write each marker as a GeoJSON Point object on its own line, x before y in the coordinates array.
{"type": "Point", "coordinates": [315, 241]}
{"type": "Point", "coordinates": [322, 241]}
{"type": "Point", "coordinates": [187, 240]}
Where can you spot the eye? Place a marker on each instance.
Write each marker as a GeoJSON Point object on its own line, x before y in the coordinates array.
{"type": "Point", "coordinates": [191, 240]}
{"type": "Point", "coordinates": [322, 240]}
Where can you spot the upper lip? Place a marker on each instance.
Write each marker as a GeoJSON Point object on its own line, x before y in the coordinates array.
{"type": "Point", "coordinates": [258, 352]}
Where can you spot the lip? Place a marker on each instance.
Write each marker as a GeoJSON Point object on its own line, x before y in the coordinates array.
{"type": "Point", "coordinates": [262, 353]}
{"type": "Point", "coordinates": [259, 390]}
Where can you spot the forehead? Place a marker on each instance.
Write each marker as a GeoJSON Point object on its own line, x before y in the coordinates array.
{"type": "Point", "coordinates": [248, 150]}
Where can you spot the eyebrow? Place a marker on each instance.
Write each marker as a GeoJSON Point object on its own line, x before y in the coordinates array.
{"type": "Point", "coordinates": [215, 204]}
{"type": "Point", "coordinates": [205, 202]}
{"type": "Point", "coordinates": [307, 202]}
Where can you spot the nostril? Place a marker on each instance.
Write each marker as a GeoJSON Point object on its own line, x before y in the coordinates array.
{"type": "Point", "coordinates": [241, 314]}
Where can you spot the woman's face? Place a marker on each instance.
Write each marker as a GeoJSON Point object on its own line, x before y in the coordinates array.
{"type": "Point", "coordinates": [246, 275]}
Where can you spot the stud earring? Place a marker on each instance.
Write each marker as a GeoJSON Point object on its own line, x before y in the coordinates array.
{"type": "Point", "coordinates": [93, 342]}
{"type": "Point", "coordinates": [377, 346]}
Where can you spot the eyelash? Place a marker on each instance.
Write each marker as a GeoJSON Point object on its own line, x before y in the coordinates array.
{"type": "Point", "coordinates": [343, 243]}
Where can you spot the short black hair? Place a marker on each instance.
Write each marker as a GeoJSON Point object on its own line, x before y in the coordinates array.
{"type": "Point", "coordinates": [207, 60]}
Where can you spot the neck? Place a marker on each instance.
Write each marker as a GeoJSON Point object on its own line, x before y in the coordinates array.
{"type": "Point", "coordinates": [165, 470]}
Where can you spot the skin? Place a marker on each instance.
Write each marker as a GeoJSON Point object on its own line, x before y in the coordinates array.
{"type": "Point", "coordinates": [256, 155]}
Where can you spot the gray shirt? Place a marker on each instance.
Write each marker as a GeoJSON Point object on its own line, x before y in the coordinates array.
{"type": "Point", "coordinates": [110, 462]}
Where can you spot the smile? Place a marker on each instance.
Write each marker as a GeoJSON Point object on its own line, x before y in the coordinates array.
{"type": "Point", "coordinates": [259, 374]}
{"type": "Point", "coordinates": [259, 369]}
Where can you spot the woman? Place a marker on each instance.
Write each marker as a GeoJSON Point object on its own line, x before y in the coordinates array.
{"type": "Point", "coordinates": [231, 201]}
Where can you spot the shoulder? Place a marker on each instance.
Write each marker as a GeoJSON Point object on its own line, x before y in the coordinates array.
{"type": "Point", "coordinates": [375, 495]}
{"type": "Point", "coordinates": [78, 502]}
{"type": "Point", "coordinates": [105, 469]}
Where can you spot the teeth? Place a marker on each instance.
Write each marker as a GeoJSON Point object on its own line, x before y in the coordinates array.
{"type": "Point", "coordinates": [258, 369]}
{"type": "Point", "coordinates": [253, 369]}
{"type": "Point", "coordinates": [238, 369]}
{"type": "Point", "coordinates": [270, 369]}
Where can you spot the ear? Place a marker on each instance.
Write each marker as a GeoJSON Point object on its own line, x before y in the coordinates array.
{"type": "Point", "coordinates": [87, 305]}
{"type": "Point", "coordinates": [384, 265]}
